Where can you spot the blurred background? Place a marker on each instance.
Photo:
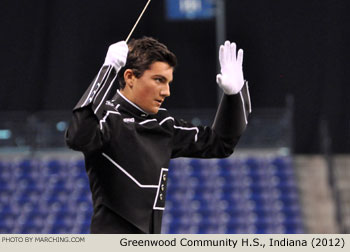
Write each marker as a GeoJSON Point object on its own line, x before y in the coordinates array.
{"type": "Point", "coordinates": [291, 170]}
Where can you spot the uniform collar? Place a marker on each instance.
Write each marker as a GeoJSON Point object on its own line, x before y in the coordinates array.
{"type": "Point", "coordinates": [129, 105]}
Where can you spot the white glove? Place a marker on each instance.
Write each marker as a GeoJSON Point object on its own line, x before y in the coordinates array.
{"type": "Point", "coordinates": [116, 55]}
{"type": "Point", "coordinates": [231, 79]}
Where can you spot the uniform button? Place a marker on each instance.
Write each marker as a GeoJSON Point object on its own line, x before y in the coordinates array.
{"type": "Point", "coordinates": [143, 115]}
{"type": "Point", "coordinates": [164, 177]}
{"type": "Point", "coordinates": [90, 99]}
{"type": "Point", "coordinates": [161, 196]}
{"type": "Point", "coordinates": [162, 187]}
{"type": "Point", "coordinates": [93, 93]}
{"type": "Point", "coordinates": [98, 85]}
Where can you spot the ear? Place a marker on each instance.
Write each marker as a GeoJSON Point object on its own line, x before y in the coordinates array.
{"type": "Point", "coordinates": [129, 77]}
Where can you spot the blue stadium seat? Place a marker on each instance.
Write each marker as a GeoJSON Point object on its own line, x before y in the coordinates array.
{"type": "Point", "coordinates": [2, 166]}
{"type": "Point", "coordinates": [53, 166]}
{"type": "Point", "coordinates": [240, 195]}
{"type": "Point", "coordinates": [26, 166]}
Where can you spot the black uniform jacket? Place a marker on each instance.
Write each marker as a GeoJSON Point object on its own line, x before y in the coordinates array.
{"type": "Point", "coordinates": [127, 151]}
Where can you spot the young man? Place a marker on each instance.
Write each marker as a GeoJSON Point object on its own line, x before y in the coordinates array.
{"type": "Point", "coordinates": [129, 140]}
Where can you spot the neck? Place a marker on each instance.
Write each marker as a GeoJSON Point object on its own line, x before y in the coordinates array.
{"type": "Point", "coordinates": [126, 93]}
{"type": "Point", "coordinates": [128, 96]}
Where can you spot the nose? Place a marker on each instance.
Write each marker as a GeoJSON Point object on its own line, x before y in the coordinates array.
{"type": "Point", "coordinates": [165, 91]}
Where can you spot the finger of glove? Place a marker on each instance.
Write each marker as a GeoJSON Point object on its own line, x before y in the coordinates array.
{"type": "Point", "coordinates": [118, 60]}
{"type": "Point", "coordinates": [120, 43]}
{"type": "Point", "coordinates": [122, 55]}
{"type": "Point", "coordinates": [233, 52]}
{"type": "Point", "coordinates": [118, 46]}
{"type": "Point", "coordinates": [119, 50]}
{"type": "Point", "coordinates": [227, 51]}
{"type": "Point", "coordinates": [221, 55]}
{"type": "Point", "coordinates": [240, 57]}
{"type": "Point", "coordinates": [219, 79]}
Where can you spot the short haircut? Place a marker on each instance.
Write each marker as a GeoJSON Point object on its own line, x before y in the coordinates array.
{"type": "Point", "coordinates": [142, 54]}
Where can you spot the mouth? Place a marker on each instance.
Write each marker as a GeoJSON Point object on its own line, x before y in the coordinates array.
{"type": "Point", "coordinates": [159, 102]}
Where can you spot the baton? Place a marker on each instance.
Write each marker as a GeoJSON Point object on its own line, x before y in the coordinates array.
{"type": "Point", "coordinates": [137, 21]}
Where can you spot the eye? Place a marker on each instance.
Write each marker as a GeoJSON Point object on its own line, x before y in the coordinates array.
{"type": "Point", "coordinates": [159, 80]}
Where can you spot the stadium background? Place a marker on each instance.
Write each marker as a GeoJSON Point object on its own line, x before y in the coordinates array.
{"type": "Point", "coordinates": [293, 158]}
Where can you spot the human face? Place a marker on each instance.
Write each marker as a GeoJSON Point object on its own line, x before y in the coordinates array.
{"type": "Point", "coordinates": [150, 90]}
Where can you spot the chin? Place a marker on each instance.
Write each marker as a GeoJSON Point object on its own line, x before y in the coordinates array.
{"type": "Point", "coordinates": [152, 111]}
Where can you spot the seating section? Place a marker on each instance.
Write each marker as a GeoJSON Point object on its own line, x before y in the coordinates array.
{"type": "Point", "coordinates": [44, 196]}
{"type": "Point", "coordinates": [342, 187]}
{"type": "Point", "coordinates": [239, 195]}
{"type": "Point", "coordinates": [234, 195]}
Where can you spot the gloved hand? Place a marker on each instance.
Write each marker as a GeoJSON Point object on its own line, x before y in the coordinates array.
{"type": "Point", "coordinates": [116, 55]}
{"type": "Point", "coordinates": [231, 79]}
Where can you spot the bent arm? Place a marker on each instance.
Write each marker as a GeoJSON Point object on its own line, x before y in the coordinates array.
{"type": "Point", "coordinates": [84, 133]}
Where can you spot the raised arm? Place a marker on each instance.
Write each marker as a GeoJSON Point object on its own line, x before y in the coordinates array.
{"type": "Point", "coordinates": [84, 133]}
{"type": "Point", "coordinates": [232, 115]}
{"type": "Point", "coordinates": [231, 118]}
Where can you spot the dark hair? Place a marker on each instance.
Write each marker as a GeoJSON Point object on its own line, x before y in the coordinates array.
{"type": "Point", "coordinates": [143, 53]}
